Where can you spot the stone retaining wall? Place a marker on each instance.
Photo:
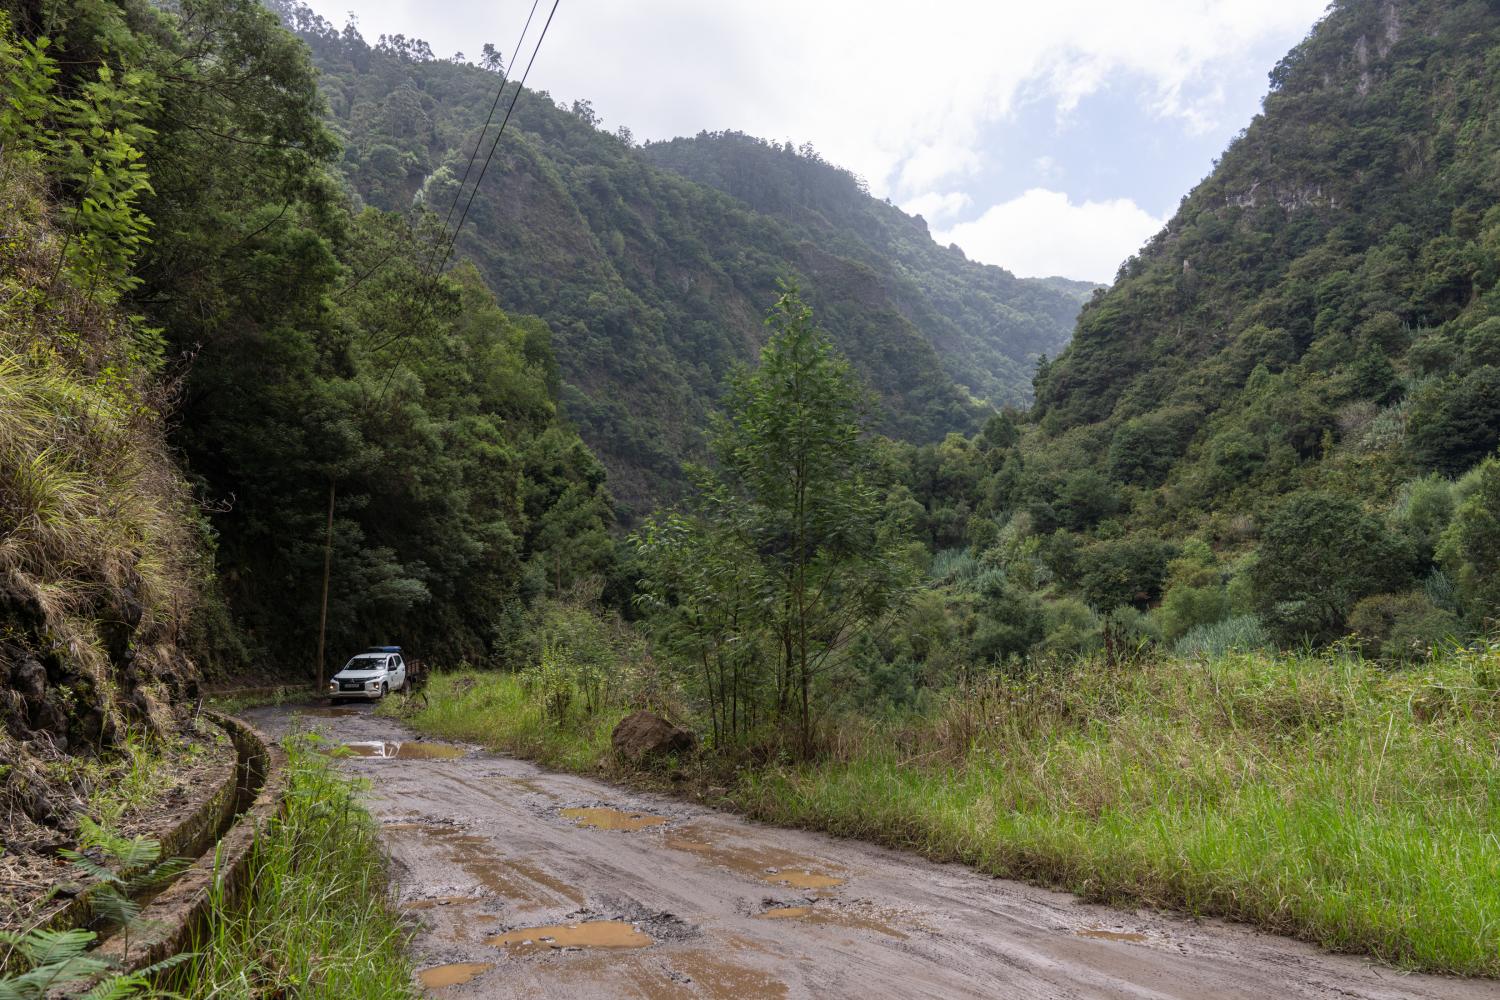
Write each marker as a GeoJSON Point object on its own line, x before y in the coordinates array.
{"type": "Point", "coordinates": [193, 835]}
{"type": "Point", "coordinates": [168, 923]}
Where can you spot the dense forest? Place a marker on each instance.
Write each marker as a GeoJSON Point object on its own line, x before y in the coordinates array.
{"type": "Point", "coordinates": [653, 265]}
{"type": "Point", "coordinates": [1279, 424]}
{"type": "Point", "coordinates": [1049, 578]}
{"type": "Point", "coordinates": [218, 372]}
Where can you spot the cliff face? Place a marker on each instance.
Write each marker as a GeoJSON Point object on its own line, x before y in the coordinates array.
{"type": "Point", "coordinates": [98, 546]}
{"type": "Point", "coordinates": [1318, 306]}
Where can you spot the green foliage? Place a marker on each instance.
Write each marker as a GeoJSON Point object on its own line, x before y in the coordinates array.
{"type": "Point", "coordinates": [1470, 548]}
{"type": "Point", "coordinates": [582, 657]}
{"type": "Point", "coordinates": [315, 920]}
{"type": "Point", "coordinates": [89, 142]}
{"type": "Point", "coordinates": [788, 558]}
{"type": "Point", "coordinates": [1236, 634]}
{"type": "Point", "coordinates": [115, 871]}
{"type": "Point", "coordinates": [1455, 422]}
{"type": "Point", "coordinates": [651, 264]}
{"type": "Point", "coordinates": [1195, 594]}
{"type": "Point", "coordinates": [1400, 627]}
{"type": "Point", "coordinates": [1319, 554]}
{"type": "Point", "coordinates": [1124, 571]}
{"type": "Point", "coordinates": [1320, 313]}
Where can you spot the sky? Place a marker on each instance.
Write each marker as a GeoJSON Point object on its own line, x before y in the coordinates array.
{"type": "Point", "coordinates": [1050, 138]}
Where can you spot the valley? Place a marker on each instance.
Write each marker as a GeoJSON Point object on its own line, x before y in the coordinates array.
{"type": "Point", "coordinates": [768, 592]}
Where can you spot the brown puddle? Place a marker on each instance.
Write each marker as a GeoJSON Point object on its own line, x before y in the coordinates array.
{"type": "Point", "coordinates": [764, 863]}
{"type": "Point", "coordinates": [405, 751]}
{"type": "Point", "coordinates": [1103, 935]}
{"type": "Point", "coordinates": [453, 975]}
{"type": "Point", "coordinates": [589, 934]}
{"type": "Point", "coordinates": [831, 918]}
{"type": "Point", "coordinates": [604, 818]}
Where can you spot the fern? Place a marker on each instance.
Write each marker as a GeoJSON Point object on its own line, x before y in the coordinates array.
{"type": "Point", "coordinates": [125, 867]}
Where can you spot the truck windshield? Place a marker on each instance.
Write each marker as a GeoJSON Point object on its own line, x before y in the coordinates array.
{"type": "Point", "coordinates": [366, 663]}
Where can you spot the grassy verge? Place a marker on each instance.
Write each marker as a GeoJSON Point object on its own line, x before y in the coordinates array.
{"type": "Point", "coordinates": [1316, 796]}
{"type": "Point", "coordinates": [493, 710]}
{"type": "Point", "coordinates": [316, 922]}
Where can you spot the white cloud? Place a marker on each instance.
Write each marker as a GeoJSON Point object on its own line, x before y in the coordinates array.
{"type": "Point", "coordinates": [899, 98]}
{"type": "Point", "coordinates": [906, 99]}
{"type": "Point", "coordinates": [935, 207]}
{"type": "Point", "coordinates": [1043, 233]}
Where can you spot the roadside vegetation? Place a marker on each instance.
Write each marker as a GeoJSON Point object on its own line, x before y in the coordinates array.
{"type": "Point", "coordinates": [316, 921]}
{"type": "Point", "coordinates": [1317, 795]}
{"type": "Point", "coordinates": [843, 678]}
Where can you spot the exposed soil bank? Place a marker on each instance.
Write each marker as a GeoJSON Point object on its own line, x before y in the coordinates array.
{"type": "Point", "coordinates": [489, 853]}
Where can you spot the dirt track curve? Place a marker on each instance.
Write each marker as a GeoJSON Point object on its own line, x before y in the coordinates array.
{"type": "Point", "coordinates": [528, 883]}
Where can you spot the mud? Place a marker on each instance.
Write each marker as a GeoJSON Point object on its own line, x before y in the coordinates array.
{"type": "Point", "coordinates": [830, 917]}
{"type": "Point", "coordinates": [768, 864]}
{"type": "Point", "coordinates": [340, 712]}
{"type": "Point", "coordinates": [1103, 935]}
{"type": "Point", "coordinates": [589, 934]}
{"type": "Point", "coordinates": [427, 904]}
{"type": "Point", "coordinates": [604, 818]}
{"type": "Point", "coordinates": [453, 974]}
{"type": "Point", "coordinates": [385, 750]}
{"type": "Point", "coordinates": [729, 908]}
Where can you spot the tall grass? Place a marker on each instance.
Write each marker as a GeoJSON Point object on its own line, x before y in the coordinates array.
{"type": "Point", "coordinates": [1314, 795]}
{"type": "Point", "coordinates": [316, 922]}
{"type": "Point", "coordinates": [497, 711]}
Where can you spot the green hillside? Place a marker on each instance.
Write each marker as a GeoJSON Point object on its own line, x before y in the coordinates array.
{"type": "Point", "coordinates": [655, 284]}
{"type": "Point", "coordinates": [1298, 373]}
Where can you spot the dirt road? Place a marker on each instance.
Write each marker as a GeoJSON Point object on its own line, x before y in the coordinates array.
{"type": "Point", "coordinates": [528, 883]}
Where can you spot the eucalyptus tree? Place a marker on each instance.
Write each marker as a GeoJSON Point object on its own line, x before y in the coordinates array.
{"type": "Point", "coordinates": [789, 557]}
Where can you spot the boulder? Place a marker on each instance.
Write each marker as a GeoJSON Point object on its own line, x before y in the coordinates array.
{"type": "Point", "coordinates": [645, 734]}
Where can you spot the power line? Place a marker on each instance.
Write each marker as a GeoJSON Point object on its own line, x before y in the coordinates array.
{"type": "Point", "coordinates": [504, 79]}
{"type": "Point", "coordinates": [434, 273]}
{"type": "Point", "coordinates": [494, 145]}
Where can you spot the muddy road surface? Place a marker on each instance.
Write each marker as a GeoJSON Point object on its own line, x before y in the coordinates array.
{"type": "Point", "coordinates": [522, 882]}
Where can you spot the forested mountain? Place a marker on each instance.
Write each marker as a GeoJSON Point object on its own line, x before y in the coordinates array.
{"type": "Point", "coordinates": [654, 266]}
{"type": "Point", "coordinates": [1274, 412]}
{"type": "Point", "coordinates": [989, 327]}
{"type": "Point", "coordinates": [322, 388]}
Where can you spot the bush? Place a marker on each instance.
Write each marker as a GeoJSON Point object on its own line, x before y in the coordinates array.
{"type": "Point", "coordinates": [1073, 628]}
{"type": "Point", "coordinates": [1423, 510]}
{"type": "Point", "coordinates": [1144, 448]}
{"type": "Point", "coordinates": [1125, 571]}
{"type": "Point", "coordinates": [1010, 621]}
{"type": "Point", "coordinates": [1470, 548]}
{"type": "Point", "coordinates": [1319, 554]}
{"type": "Point", "coordinates": [1400, 626]}
{"type": "Point", "coordinates": [1455, 422]}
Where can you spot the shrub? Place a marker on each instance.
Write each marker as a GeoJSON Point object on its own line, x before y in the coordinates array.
{"type": "Point", "coordinates": [1125, 571]}
{"type": "Point", "coordinates": [1470, 547]}
{"type": "Point", "coordinates": [1455, 422]}
{"type": "Point", "coordinates": [1400, 626]}
{"type": "Point", "coordinates": [1319, 554]}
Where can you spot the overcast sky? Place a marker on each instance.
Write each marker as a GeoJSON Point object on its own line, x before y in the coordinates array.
{"type": "Point", "coordinates": [1047, 137]}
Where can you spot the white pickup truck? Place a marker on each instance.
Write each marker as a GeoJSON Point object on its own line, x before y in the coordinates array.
{"type": "Point", "coordinates": [371, 675]}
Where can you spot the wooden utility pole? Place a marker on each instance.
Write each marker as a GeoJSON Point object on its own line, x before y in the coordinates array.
{"type": "Point", "coordinates": [327, 570]}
